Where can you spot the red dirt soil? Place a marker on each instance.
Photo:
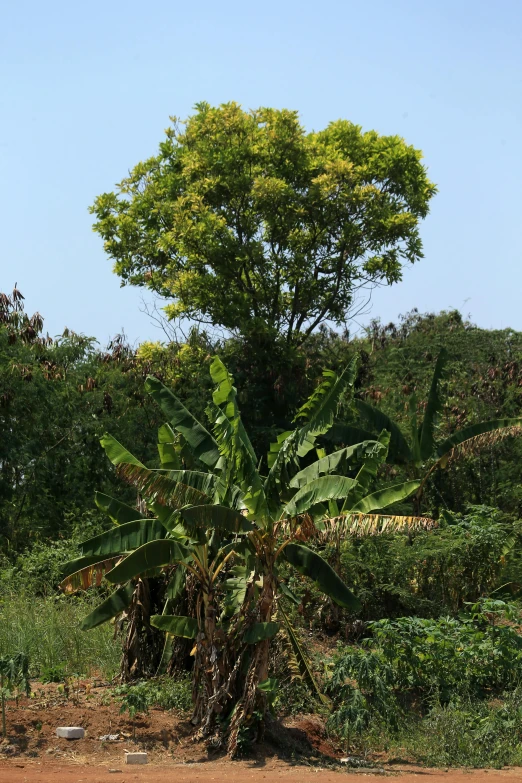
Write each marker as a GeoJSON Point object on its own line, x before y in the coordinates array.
{"type": "Point", "coordinates": [233, 772]}
{"type": "Point", "coordinates": [295, 751]}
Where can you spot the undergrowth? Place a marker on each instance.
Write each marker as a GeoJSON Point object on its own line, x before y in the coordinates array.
{"type": "Point", "coordinates": [48, 631]}
{"type": "Point", "coordinates": [443, 692]}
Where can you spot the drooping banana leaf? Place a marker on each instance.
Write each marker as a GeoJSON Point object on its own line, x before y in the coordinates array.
{"type": "Point", "coordinates": [119, 512]}
{"type": "Point", "coordinates": [155, 554]}
{"type": "Point", "coordinates": [88, 571]}
{"type": "Point", "coordinates": [313, 566]}
{"type": "Point", "coordinates": [114, 605]}
{"type": "Point", "coordinates": [433, 408]}
{"type": "Point", "coordinates": [124, 538]}
{"type": "Point", "coordinates": [80, 563]}
{"type": "Point", "coordinates": [302, 659]}
{"type": "Point", "coordinates": [384, 498]}
{"type": "Point", "coordinates": [220, 518]}
{"type": "Point", "coordinates": [399, 449]}
{"type": "Point", "coordinates": [318, 491]}
{"type": "Point", "coordinates": [491, 430]}
{"type": "Point", "coordinates": [199, 440]}
{"type": "Point", "coordinates": [174, 488]}
{"type": "Point", "coordinates": [117, 453]}
{"type": "Point", "coordinates": [176, 625]}
{"type": "Point", "coordinates": [177, 582]}
{"type": "Point", "coordinates": [258, 632]}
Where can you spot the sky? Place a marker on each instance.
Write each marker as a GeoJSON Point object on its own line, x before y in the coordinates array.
{"type": "Point", "coordinates": [87, 89]}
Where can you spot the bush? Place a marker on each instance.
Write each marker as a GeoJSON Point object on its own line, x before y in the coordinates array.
{"type": "Point", "coordinates": [163, 692]}
{"type": "Point", "coordinates": [411, 664]}
{"type": "Point", "coordinates": [429, 573]}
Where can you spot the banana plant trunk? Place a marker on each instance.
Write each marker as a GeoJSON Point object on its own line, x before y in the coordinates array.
{"type": "Point", "coordinates": [251, 706]}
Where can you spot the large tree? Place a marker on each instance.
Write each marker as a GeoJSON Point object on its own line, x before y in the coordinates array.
{"type": "Point", "coordinates": [246, 221]}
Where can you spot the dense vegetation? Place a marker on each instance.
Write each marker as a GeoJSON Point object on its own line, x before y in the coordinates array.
{"type": "Point", "coordinates": [357, 552]}
{"type": "Point", "coordinates": [51, 470]}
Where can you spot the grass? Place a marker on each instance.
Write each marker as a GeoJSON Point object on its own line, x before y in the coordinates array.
{"type": "Point", "coordinates": [47, 630]}
{"type": "Point", "coordinates": [469, 733]}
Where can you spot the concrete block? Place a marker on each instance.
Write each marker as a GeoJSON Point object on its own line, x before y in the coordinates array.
{"type": "Point", "coordinates": [70, 732]}
{"type": "Point", "coordinates": [135, 758]}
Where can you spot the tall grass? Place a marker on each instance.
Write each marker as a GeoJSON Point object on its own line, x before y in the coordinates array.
{"type": "Point", "coordinates": [48, 631]}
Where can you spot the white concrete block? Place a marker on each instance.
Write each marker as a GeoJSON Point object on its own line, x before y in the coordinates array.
{"type": "Point", "coordinates": [135, 758]}
{"type": "Point", "coordinates": [70, 732]}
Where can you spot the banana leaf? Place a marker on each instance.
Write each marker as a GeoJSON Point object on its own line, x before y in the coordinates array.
{"type": "Point", "coordinates": [175, 488]}
{"type": "Point", "coordinates": [313, 566]}
{"type": "Point", "coordinates": [399, 450]}
{"type": "Point", "coordinates": [124, 538]}
{"type": "Point", "coordinates": [117, 453]}
{"type": "Point", "coordinates": [119, 512]}
{"type": "Point", "coordinates": [187, 627]}
{"type": "Point", "coordinates": [155, 554]}
{"type": "Point", "coordinates": [322, 405]}
{"type": "Point", "coordinates": [224, 396]}
{"type": "Point", "coordinates": [475, 431]}
{"type": "Point", "coordinates": [258, 632]}
{"type": "Point", "coordinates": [433, 407]}
{"type": "Point", "coordinates": [88, 571]}
{"type": "Point", "coordinates": [200, 441]}
{"type": "Point", "coordinates": [220, 518]}
{"type": "Point", "coordinates": [318, 491]}
{"type": "Point", "coordinates": [384, 498]}
{"type": "Point", "coordinates": [114, 605]}
{"type": "Point", "coordinates": [338, 462]}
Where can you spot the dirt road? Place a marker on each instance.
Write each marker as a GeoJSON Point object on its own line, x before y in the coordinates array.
{"type": "Point", "coordinates": [235, 772]}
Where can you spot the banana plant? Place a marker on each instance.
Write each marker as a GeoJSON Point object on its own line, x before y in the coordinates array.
{"type": "Point", "coordinates": [221, 519]}
{"type": "Point", "coordinates": [422, 453]}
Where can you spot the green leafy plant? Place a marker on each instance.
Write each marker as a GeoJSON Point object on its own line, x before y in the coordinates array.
{"type": "Point", "coordinates": [14, 676]}
{"type": "Point", "coordinates": [226, 526]}
{"type": "Point", "coordinates": [423, 453]}
{"type": "Point", "coordinates": [410, 664]}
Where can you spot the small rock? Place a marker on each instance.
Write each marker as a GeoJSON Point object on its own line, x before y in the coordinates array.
{"type": "Point", "coordinates": [109, 737]}
{"type": "Point", "coordinates": [135, 758]}
{"type": "Point", "coordinates": [114, 770]}
{"type": "Point", "coordinates": [10, 750]}
{"type": "Point", "coordinates": [70, 732]}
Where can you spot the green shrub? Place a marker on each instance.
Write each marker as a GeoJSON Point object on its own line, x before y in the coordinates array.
{"type": "Point", "coordinates": [433, 572]}
{"type": "Point", "coordinates": [411, 664]}
{"type": "Point", "coordinates": [163, 692]}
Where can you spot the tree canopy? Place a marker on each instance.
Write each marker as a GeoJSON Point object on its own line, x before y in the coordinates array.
{"type": "Point", "coordinates": [246, 221]}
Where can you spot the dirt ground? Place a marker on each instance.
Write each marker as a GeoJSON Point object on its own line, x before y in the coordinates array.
{"type": "Point", "coordinates": [296, 751]}
{"type": "Point", "coordinates": [234, 772]}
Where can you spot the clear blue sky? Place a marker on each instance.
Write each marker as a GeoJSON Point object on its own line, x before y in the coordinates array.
{"type": "Point", "coordinates": [87, 89]}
